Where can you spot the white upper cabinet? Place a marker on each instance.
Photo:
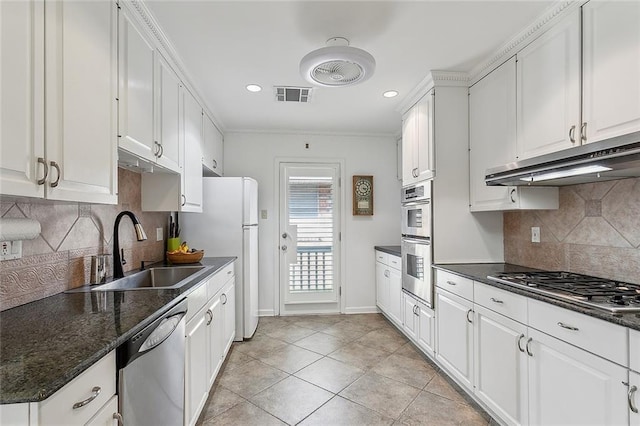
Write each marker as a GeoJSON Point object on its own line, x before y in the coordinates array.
{"type": "Point", "coordinates": [611, 69]}
{"type": "Point", "coordinates": [492, 136]}
{"type": "Point", "coordinates": [22, 161]}
{"type": "Point", "coordinates": [212, 147]}
{"type": "Point", "coordinates": [192, 167]}
{"type": "Point", "coordinates": [81, 109]}
{"type": "Point", "coordinates": [548, 90]}
{"type": "Point", "coordinates": [417, 141]}
{"type": "Point", "coordinates": [137, 56]}
{"type": "Point", "coordinates": [167, 128]}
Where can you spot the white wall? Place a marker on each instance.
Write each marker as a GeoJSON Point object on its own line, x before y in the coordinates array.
{"type": "Point", "coordinates": [255, 154]}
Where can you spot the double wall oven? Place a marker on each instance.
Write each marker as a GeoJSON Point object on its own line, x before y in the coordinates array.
{"type": "Point", "coordinates": [416, 241]}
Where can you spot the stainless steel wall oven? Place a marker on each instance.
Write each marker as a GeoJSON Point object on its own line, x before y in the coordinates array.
{"type": "Point", "coordinates": [416, 246]}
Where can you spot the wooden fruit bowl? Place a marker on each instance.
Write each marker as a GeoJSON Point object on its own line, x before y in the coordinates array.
{"type": "Point", "coordinates": [193, 257]}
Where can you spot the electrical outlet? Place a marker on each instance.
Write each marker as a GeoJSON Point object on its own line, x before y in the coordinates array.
{"type": "Point", "coordinates": [535, 234]}
{"type": "Point", "coordinates": [159, 235]}
{"type": "Point", "coordinates": [10, 250]}
{"type": "Point", "coordinates": [6, 249]}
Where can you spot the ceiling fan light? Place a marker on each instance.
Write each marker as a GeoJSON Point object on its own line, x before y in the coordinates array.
{"type": "Point", "coordinates": [337, 66]}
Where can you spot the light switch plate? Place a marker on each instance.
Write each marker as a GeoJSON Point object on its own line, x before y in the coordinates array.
{"type": "Point", "coordinates": [535, 234]}
{"type": "Point", "coordinates": [159, 235]}
{"type": "Point", "coordinates": [263, 214]}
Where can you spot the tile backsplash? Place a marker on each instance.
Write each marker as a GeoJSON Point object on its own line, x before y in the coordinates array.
{"type": "Point", "coordinates": [60, 258]}
{"type": "Point", "coordinates": [596, 231]}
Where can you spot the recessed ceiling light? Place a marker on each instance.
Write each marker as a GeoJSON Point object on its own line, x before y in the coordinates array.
{"type": "Point", "coordinates": [253, 88]}
{"type": "Point", "coordinates": [390, 94]}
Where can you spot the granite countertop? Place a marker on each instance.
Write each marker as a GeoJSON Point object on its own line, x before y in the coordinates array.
{"type": "Point", "coordinates": [394, 250]}
{"type": "Point", "coordinates": [47, 343]}
{"type": "Point", "coordinates": [479, 272]}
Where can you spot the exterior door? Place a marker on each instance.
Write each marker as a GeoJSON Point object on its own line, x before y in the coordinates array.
{"type": "Point", "coordinates": [309, 238]}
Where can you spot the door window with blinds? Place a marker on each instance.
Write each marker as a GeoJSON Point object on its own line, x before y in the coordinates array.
{"type": "Point", "coordinates": [309, 228]}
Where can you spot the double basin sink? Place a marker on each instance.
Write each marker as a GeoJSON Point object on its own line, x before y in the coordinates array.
{"type": "Point", "coordinates": [152, 279]}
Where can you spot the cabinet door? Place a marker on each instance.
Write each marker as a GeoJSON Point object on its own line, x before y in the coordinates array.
{"type": "Point", "coordinates": [229, 313]}
{"type": "Point", "coordinates": [410, 318]}
{"type": "Point", "coordinates": [382, 287]}
{"type": "Point", "coordinates": [500, 365]}
{"type": "Point", "coordinates": [192, 167]}
{"type": "Point", "coordinates": [215, 351]}
{"type": "Point", "coordinates": [81, 105]}
{"type": "Point", "coordinates": [548, 90]}
{"type": "Point", "coordinates": [492, 135]}
{"type": "Point", "coordinates": [196, 379]}
{"type": "Point", "coordinates": [22, 100]}
{"type": "Point", "coordinates": [409, 146]}
{"type": "Point", "coordinates": [395, 295]}
{"type": "Point", "coordinates": [425, 160]}
{"type": "Point", "coordinates": [455, 335]}
{"type": "Point", "coordinates": [167, 150]}
{"type": "Point", "coordinates": [569, 386]}
{"type": "Point", "coordinates": [104, 417]}
{"type": "Point", "coordinates": [137, 57]}
{"type": "Point", "coordinates": [212, 149]}
{"type": "Point", "coordinates": [426, 328]}
{"type": "Point", "coordinates": [634, 398]}
{"type": "Point", "coordinates": [611, 66]}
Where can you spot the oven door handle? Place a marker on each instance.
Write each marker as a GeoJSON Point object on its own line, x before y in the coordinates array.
{"type": "Point", "coordinates": [417, 240]}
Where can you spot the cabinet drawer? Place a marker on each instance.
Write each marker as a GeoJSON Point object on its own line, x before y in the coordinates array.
{"type": "Point", "coordinates": [455, 284]}
{"type": "Point", "coordinates": [104, 417]}
{"type": "Point", "coordinates": [506, 303]}
{"type": "Point", "coordinates": [218, 280]}
{"type": "Point", "coordinates": [197, 299]}
{"type": "Point", "coordinates": [591, 334]}
{"type": "Point", "coordinates": [382, 257]}
{"type": "Point", "coordinates": [634, 350]}
{"type": "Point", "coordinates": [394, 262]}
{"type": "Point", "coordinates": [58, 408]}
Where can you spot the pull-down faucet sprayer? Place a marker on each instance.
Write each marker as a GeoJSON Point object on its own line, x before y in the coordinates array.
{"type": "Point", "coordinates": [140, 235]}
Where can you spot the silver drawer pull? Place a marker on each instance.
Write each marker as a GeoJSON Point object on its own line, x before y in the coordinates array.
{"type": "Point", "coordinates": [95, 392]}
{"type": "Point", "coordinates": [522, 336]}
{"type": "Point", "coordinates": [493, 299]}
{"type": "Point", "coordinates": [528, 348]}
{"type": "Point", "coordinates": [229, 272]}
{"type": "Point", "coordinates": [451, 283]}
{"type": "Point", "coordinates": [632, 404]}
{"type": "Point", "coordinates": [568, 327]}
{"type": "Point", "coordinates": [118, 417]}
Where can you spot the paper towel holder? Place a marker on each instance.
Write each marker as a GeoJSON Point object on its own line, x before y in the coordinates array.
{"type": "Point", "coordinates": [12, 232]}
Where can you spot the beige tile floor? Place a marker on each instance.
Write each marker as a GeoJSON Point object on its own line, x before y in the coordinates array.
{"type": "Point", "coordinates": [334, 370]}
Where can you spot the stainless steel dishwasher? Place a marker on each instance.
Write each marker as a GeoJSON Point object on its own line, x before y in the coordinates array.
{"type": "Point", "coordinates": [151, 372]}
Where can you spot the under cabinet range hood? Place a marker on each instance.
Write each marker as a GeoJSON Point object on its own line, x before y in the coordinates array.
{"type": "Point", "coordinates": [611, 159]}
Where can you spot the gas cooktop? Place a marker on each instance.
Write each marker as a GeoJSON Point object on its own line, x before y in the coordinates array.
{"type": "Point", "coordinates": [601, 293]}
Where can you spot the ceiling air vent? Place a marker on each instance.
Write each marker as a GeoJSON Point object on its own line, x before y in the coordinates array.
{"type": "Point", "coordinates": [292, 94]}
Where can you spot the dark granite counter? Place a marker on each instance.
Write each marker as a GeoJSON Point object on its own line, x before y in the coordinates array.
{"type": "Point", "coordinates": [479, 272]}
{"type": "Point", "coordinates": [394, 250]}
{"type": "Point", "coordinates": [46, 343]}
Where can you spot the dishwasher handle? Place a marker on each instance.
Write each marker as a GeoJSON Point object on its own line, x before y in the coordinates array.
{"type": "Point", "coordinates": [161, 332]}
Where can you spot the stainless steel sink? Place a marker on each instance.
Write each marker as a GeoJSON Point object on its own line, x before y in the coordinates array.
{"type": "Point", "coordinates": [153, 278]}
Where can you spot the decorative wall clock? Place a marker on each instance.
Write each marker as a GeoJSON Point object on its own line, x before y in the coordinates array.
{"type": "Point", "coordinates": [362, 195]}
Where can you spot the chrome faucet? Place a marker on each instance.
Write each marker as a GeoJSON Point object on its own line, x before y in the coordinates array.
{"type": "Point", "coordinates": [140, 235]}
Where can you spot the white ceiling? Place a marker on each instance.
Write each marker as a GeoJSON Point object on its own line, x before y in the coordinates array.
{"type": "Point", "coordinates": [226, 45]}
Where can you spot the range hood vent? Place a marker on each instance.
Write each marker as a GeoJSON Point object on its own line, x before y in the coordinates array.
{"type": "Point", "coordinates": [611, 159]}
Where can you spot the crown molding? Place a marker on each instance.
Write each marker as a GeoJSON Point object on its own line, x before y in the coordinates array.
{"type": "Point", "coordinates": [449, 78]}
{"type": "Point", "coordinates": [415, 94]}
{"type": "Point", "coordinates": [435, 78]}
{"type": "Point", "coordinates": [145, 18]}
{"type": "Point", "coordinates": [544, 22]}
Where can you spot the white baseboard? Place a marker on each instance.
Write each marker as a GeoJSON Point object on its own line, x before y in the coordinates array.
{"type": "Point", "coordinates": [266, 313]}
{"type": "Point", "coordinates": [362, 310]}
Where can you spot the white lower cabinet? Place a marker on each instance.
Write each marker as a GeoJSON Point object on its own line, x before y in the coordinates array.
{"type": "Point", "coordinates": [634, 398]}
{"type": "Point", "coordinates": [570, 386]}
{"type": "Point", "coordinates": [215, 326]}
{"type": "Point", "coordinates": [196, 381]}
{"type": "Point", "coordinates": [228, 298]}
{"type": "Point", "coordinates": [454, 349]}
{"type": "Point", "coordinates": [501, 365]}
{"type": "Point", "coordinates": [107, 414]}
{"type": "Point", "coordinates": [419, 323]}
{"type": "Point", "coordinates": [410, 322]}
{"type": "Point", "coordinates": [389, 286]}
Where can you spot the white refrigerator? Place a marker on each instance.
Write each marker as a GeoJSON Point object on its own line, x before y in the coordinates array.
{"type": "Point", "coordinates": [228, 226]}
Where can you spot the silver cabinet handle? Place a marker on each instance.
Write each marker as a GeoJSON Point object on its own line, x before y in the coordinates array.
{"type": "Point", "coordinates": [528, 347]}
{"type": "Point", "coordinates": [285, 235]}
{"type": "Point", "coordinates": [46, 171]}
{"type": "Point", "coordinates": [184, 200]}
{"type": "Point", "coordinates": [568, 327]}
{"type": "Point", "coordinates": [118, 417]}
{"type": "Point", "coordinates": [210, 315]}
{"type": "Point", "coordinates": [416, 310]}
{"type": "Point", "coordinates": [215, 164]}
{"type": "Point", "coordinates": [161, 151]}
{"type": "Point", "coordinates": [632, 403]}
{"type": "Point", "coordinates": [55, 166]}
{"type": "Point", "coordinates": [511, 194]}
{"type": "Point", "coordinates": [572, 134]}
{"type": "Point", "coordinates": [468, 319]}
{"type": "Point", "coordinates": [284, 248]}
{"type": "Point", "coordinates": [386, 273]}
{"type": "Point", "coordinates": [583, 132]}
{"type": "Point", "coordinates": [229, 272]}
{"type": "Point", "coordinates": [519, 341]}
{"type": "Point", "coordinates": [94, 394]}
{"type": "Point", "coordinates": [156, 149]}
{"type": "Point", "coordinates": [451, 283]}
{"type": "Point", "coordinates": [416, 173]}
{"type": "Point", "coordinates": [494, 300]}
{"type": "Point", "coordinates": [225, 298]}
